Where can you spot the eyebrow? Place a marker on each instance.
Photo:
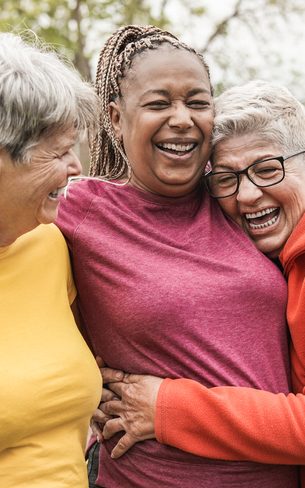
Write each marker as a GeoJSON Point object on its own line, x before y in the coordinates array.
{"type": "Point", "coordinates": [66, 145]}
{"type": "Point", "coordinates": [222, 167]}
{"type": "Point", "coordinates": [190, 93]}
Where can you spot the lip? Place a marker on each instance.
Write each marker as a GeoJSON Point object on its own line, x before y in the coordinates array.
{"type": "Point", "coordinates": [177, 141]}
{"type": "Point", "coordinates": [267, 227]}
{"type": "Point", "coordinates": [177, 157]}
{"type": "Point", "coordinates": [59, 190]}
{"type": "Point", "coordinates": [261, 212]}
{"type": "Point", "coordinates": [250, 210]}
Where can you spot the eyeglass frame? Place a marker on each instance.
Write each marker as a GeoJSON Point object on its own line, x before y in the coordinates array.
{"type": "Point", "coordinates": [244, 171]}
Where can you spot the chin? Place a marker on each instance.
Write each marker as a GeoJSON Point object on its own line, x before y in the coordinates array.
{"type": "Point", "coordinates": [269, 249]}
{"type": "Point", "coordinates": [48, 218]}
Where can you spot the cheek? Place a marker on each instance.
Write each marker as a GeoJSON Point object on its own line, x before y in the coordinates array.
{"type": "Point", "coordinates": [206, 124]}
{"type": "Point", "coordinates": [291, 199]}
{"type": "Point", "coordinates": [230, 208]}
{"type": "Point", "coordinates": [293, 210]}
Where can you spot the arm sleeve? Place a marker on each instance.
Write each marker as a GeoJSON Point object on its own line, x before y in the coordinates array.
{"type": "Point", "coordinates": [231, 423]}
{"type": "Point", "coordinates": [71, 289]}
{"type": "Point", "coordinates": [70, 214]}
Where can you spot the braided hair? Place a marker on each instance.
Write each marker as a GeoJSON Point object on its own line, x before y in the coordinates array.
{"type": "Point", "coordinates": [108, 158]}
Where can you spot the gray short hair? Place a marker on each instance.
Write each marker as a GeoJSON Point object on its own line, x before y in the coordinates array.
{"type": "Point", "coordinates": [39, 94]}
{"type": "Point", "coordinates": [265, 109]}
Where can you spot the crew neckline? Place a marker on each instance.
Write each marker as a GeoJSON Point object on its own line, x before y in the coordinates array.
{"type": "Point", "coordinates": [161, 199]}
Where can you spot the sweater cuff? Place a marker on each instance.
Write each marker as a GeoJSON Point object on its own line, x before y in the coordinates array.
{"type": "Point", "coordinates": [161, 409]}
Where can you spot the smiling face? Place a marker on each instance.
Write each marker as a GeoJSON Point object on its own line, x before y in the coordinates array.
{"type": "Point", "coordinates": [269, 214]}
{"type": "Point", "coordinates": [29, 192]}
{"type": "Point", "coordinates": [164, 120]}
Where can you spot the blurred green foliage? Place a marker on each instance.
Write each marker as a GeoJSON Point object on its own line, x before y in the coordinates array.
{"type": "Point", "coordinates": [66, 24]}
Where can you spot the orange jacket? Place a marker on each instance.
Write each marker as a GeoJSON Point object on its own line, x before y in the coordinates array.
{"type": "Point", "coordinates": [236, 423]}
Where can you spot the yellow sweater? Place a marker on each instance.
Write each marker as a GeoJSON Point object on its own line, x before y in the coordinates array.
{"type": "Point", "coordinates": [49, 381]}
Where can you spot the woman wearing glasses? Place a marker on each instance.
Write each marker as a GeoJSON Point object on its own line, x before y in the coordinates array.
{"type": "Point", "coordinates": [258, 176]}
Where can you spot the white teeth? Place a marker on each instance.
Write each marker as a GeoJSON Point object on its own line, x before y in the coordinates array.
{"type": "Point", "coordinates": [262, 226]}
{"type": "Point", "coordinates": [177, 147]}
{"type": "Point", "coordinates": [254, 215]}
{"type": "Point", "coordinates": [57, 192]}
{"type": "Point", "coordinates": [266, 211]}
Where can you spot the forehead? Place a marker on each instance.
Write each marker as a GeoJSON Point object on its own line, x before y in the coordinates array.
{"type": "Point", "coordinates": [66, 137]}
{"type": "Point", "coordinates": [165, 65]}
{"type": "Point", "coordinates": [237, 152]}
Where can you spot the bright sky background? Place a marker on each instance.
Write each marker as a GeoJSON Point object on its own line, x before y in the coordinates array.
{"type": "Point", "coordinates": [274, 50]}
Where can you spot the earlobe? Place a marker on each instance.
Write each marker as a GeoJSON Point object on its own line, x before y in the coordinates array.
{"type": "Point", "coordinates": [115, 117]}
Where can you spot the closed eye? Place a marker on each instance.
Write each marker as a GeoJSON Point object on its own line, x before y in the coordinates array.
{"type": "Point", "coordinates": [198, 104]}
{"type": "Point", "coordinates": [63, 154]}
{"type": "Point", "coordinates": [267, 172]}
{"type": "Point", "coordinates": [157, 104]}
{"type": "Point", "coordinates": [225, 180]}
{"type": "Point", "coordinates": [267, 169]}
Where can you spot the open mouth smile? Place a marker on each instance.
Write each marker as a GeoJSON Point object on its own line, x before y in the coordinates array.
{"type": "Point", "coordinates": [54, 195]}
{"type": "Point", "coordinates": [262, 219]}
{"type": "Point", "coordinates": [177, 149]}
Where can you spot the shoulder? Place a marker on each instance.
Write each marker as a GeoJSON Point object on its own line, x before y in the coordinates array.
{"type": "Point", "coordinates": [43, 246]}
{"type": "Point", "coordinates": [48, 237]}
{"type": "Point", "coordinates": [294, 247]}
{"type": "Point", "coordinates": [80, 193]}
{"type": "Point", "coordinates": [75, 205]}
{"type": "Point", "coordinates": [46, 234]}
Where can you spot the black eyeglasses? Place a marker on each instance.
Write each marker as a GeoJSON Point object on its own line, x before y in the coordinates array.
{"type": "Point", "coordinates": [263, 173]}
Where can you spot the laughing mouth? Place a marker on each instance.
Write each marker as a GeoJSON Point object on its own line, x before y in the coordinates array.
{"type": "Point", "coordinates": [56, 193]}
{"type": "Point", "coordinates": [179, 149]}
{"type": "Point", "coordinates": [262, 219]}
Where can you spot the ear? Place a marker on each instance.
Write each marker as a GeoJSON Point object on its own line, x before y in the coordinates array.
{"type": "Point", "coordinates": [115, 112]}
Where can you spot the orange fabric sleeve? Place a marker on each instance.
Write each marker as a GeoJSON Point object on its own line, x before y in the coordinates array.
{"type": "Point", "coordinates": [235, 423]}
{"type": "Point", "coordinates": [231, 423]}
{"type": "Point", "coordinates": [293, 261]}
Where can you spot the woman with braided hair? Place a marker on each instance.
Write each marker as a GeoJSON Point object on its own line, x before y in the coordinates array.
{"type": "Point", "coordinates": [167, 286]}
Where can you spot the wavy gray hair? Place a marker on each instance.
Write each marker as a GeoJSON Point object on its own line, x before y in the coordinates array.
{"type": "Point", "coordinates": [265, 109]}
{"type": "Point", "coordinates": [39, 94]}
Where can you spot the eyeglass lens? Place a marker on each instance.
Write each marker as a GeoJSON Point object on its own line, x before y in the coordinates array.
{"type": "Point", "coordinates": [262, 173]}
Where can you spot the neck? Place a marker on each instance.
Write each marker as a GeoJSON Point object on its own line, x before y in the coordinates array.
{"type": "Point", "coordinates": [7, 237]}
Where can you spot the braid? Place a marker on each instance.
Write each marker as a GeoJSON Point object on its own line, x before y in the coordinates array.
{"type": "Point", "coordinates": [108, 158]}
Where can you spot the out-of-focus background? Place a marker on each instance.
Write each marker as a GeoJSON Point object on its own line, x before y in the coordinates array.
{"type": "Point", "coordinates": [241, 39]}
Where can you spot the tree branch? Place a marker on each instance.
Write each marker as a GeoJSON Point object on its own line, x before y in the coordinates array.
{"type": "Point", "coordinates": [220, 28]}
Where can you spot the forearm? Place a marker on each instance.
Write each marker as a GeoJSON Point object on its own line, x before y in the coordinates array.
{"type": "Point", "coordinates": [231, 423]}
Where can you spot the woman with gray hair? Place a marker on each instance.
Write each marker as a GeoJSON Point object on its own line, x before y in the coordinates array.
{"type": "Point", "coordinates": [50, 383]}
{"type": "Point", "coordinates": [258, 177]}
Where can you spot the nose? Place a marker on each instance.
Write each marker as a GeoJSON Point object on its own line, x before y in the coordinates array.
{"type": "Point", "coordinates": [248, 192]}
{"type": "Point", "coordinates": [180, 117]}
{"type": "Point", "coordinates": [74, 166]}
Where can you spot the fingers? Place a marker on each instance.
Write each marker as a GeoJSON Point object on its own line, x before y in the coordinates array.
{"type": "Point", "coordinates": [113, 426]}
{"type": "Point", "coordinates": [112, 375]}
{"type": "Point", "coordinates": [97, 422]}
{"type": "Point", "coordinates": [124, 444]}
{"type": "Point", "coordinates": [100, 417]}
{"type": "Point", "coordinates": [117, 388]}
{"type": "Point", "coordinates": [107, 395]}
{"type": "Point", "coordinates": [99, 361]}
{"type": "Point", "coordinates": [112, 408]}
{"type": "Point", "coordinates": [96, 430]}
